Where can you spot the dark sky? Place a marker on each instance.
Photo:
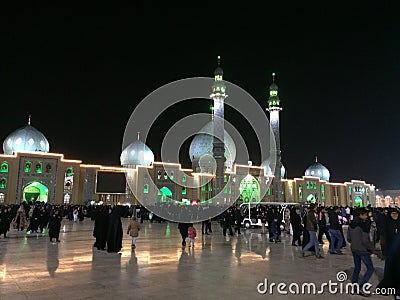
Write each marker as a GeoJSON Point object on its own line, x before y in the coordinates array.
{"type": "Point", "coordinates": [80, 71]}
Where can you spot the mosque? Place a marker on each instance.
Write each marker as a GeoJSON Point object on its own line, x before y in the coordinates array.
{"type": "Point", "coordinates": [30, 172]}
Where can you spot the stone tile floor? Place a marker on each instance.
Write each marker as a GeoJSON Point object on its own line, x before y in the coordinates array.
{"type": "Point", "coordinates": [218, 267]}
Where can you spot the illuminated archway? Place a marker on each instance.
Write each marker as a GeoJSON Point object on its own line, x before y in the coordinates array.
{"type": "Point", "coordinates": [163, 194]}
{"type": "Point", "coordinates": [358, 201]}
{"type": "Point", "coordinates": [249, 189]}
{"type": "Point", "coordinates": [311, 198]}
{"type": "Point", "coordinates": [35, 191]}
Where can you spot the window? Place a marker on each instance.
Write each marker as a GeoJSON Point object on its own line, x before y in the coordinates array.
{"type": "Point", "coordinates": [27, 166]}
{"type": "Point", "coordinates": [323, 192]}
{"type": "Point", "coordinates": [159, 175]}
{"type": "Point", "coordinates": [210, 186]}
{"type": "Point", "coordinates": [203, 187]}
{"type": "Point", "coordinates": [269, 192]}
{"type": "Point", "coordinates": [70, 172]}
{"type": "Point", "coordinates": [38, 167]}
{"type": "Point", "coordinates": [184, 178]}
{"type": "Point", "coordinates": [146, 188]}
{"type": "Point", "coordinates": [165, 175]}
{"type": "Point", "coordinates": [48, 168]}
{"type": "Point", "coordinates": [172, 175]}
{"type": "Point", "coordinates": [4, 167]}
{"type": "Point", "coordinates": [300, 191]}
{"type": "Point", "coordinates": [184, 190]}
{"type": "Point", "coordinates": [225, 178]}
{"type": "Point", "coordinates": [3, 183]}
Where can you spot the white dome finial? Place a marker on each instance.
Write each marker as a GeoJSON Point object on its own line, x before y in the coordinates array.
{"type": "Point", "coordinates": [316, 158]}
{"type": "Point", "coordinates": [29, 119]}
{"type": "Point", "coordinates": [138, 135]}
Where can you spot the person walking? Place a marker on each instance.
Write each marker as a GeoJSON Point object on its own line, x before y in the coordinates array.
{"type": "Point", "coordinates": [336, 242]}
{"type": "Point", "coordinates": [114, 233]}
{"type": "Point", "coordinates": [361, 248]}
{"type": "Point", "coordinates": [191, 235]}
{"type": "Point", "coordinates": [295, 221]}
{"type": "Point", "coordinates": [55, 225]}
{"type": "Point", "coordinates": [312, 228]}
{"type": "Point", "coordinates": [183, 230]}
{"type": "Point", "coordinates": [133, 230]}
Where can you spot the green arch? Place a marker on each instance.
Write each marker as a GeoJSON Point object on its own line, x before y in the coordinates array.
{"type": "Point", "coordinates": [311, 198]}
{"type": "Point", "coordinates": [358, 201]}
{"type": "Point", "coordinates": [249, 189]}
{"type": "Point", "coordinates": [35, 191]}
{"type": "Point", "coordinates": [163, 194]}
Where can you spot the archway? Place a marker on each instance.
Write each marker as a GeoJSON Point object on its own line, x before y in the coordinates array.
{"type": "Point", "coordinates": [163, 194]}
{"type": "Point", "coordinates": [311, 198]}
{"type": "Point", "coordinates": [249, 189]}
{"type": "Point", "coordinates": [35, 191]}
{"type": "Point", "coordinates": [358, 201]}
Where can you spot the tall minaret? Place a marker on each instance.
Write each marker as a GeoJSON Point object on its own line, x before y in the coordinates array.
{"type": "Point", "coordinates": [218, 96]}
{"type": "Point", "coordinates": [274, 108]}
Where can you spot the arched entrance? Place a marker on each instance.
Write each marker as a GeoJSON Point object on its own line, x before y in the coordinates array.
{"type": "Point", "coordinates": [163, 194]}
{"type": "Point", "coordinates": [249, 189]}
{"type": "Point", "coordinates": [358, 201]}
{"type": "Point", "coordinates": [35, 191]}
{"type": "Point", "coordinates": [311, 198]}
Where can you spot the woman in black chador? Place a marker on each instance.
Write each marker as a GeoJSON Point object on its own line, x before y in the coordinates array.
{"type": "Point", "coordinates": [55, 225]}
{"type": "Point", "coordinates": [114, 233]}
{"type": "Point", "coordinates": [100, 230]}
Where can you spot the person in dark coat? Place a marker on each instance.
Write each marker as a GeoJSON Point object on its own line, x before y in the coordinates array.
{"type": "Point", "coordinates": [391, 228]}
{"type": "Point", "coordinates": [295, 220]}
{"type": "Point", "coordinates": [227, 222]}
{"type": "Point", "coordinates": [361, 247]}
{"type": "Point", "coordinates": [391, 278]}
{"type": "Point", "coordinates": [238, 219]}
{"type": "Point", "coordinates": [100, 229]}
{"type": "Point", "coordinates": [115, 231]}
{"type": "Point", "coordinates": [183, 230]}
{"type": "Point", "coordinates": [55, 225]}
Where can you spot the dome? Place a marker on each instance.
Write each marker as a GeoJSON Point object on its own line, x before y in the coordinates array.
{"type": "Point", "coordinates": [27, 138]}
{"type": "Point", "coordinates": [318, 170]}
{"type": "Point", "coordinates": [273, 87]}
{"type": "Point", "coordinates": [268, 171]}
{"type": "Point", "coordinates": [137, 153]}
{"type": "Point", "coordinates": [202, 144]}
{"type": "Point", "coordinates": [218, 71]}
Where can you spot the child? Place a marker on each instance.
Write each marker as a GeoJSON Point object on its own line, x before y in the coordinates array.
{"type": "Point", "coordinates": [191, 234]}
{"type": "Point", "coordinates": [133, 230]}
{"type": "Point", "coordinates": [274, 230]}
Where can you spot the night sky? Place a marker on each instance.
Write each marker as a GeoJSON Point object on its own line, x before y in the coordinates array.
{"type": "Point", "coordinates": [80, 72]}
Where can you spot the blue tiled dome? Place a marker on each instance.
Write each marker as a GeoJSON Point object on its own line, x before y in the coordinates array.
{"type": "Point", "coordinates": [318, 170]}
{"type": "Point", "coordinates": [27, 138]}
{"type": "Point", "coordinates": [202, 144]}
{"type": "Point", "coordinates": [137, 153]}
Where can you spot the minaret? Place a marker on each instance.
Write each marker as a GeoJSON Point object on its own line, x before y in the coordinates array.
{"type": "Point", "coordinates": [274, 108]}
{"type": "Point", "coordinates": [218, 96]}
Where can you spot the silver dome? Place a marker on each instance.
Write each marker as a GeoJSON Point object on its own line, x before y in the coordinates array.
{"type": "Point", "coordinates": [27, 138]}
{"type": "Point", "coordinates": [268, 171]}
{"type": "Point", "coordinates": [202, 144]}
{"type": "Point", "coordinates": [318, 170]}
{"type": "Point", "coordinates": [137, 153]}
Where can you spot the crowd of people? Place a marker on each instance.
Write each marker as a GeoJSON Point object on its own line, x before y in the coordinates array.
{"type": "Point", "coordinates": [369, 230]}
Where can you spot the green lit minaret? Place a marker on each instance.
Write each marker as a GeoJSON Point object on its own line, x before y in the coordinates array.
{"type": "Point", "coordinates": [274, 107]}
{"type": "Point", "coordinates": [218, 96]}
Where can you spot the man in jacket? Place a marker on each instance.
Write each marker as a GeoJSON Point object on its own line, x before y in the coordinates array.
{"type": "Point", "coordinates": [361, 247]}
{"type": "Point", "coordinates": [336, 241]}
{"type": "Point", "coordinates": [312, 228]}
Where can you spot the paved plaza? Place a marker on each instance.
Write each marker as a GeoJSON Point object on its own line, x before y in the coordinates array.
{"type": "Point", "coordinates": [218, 267]}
